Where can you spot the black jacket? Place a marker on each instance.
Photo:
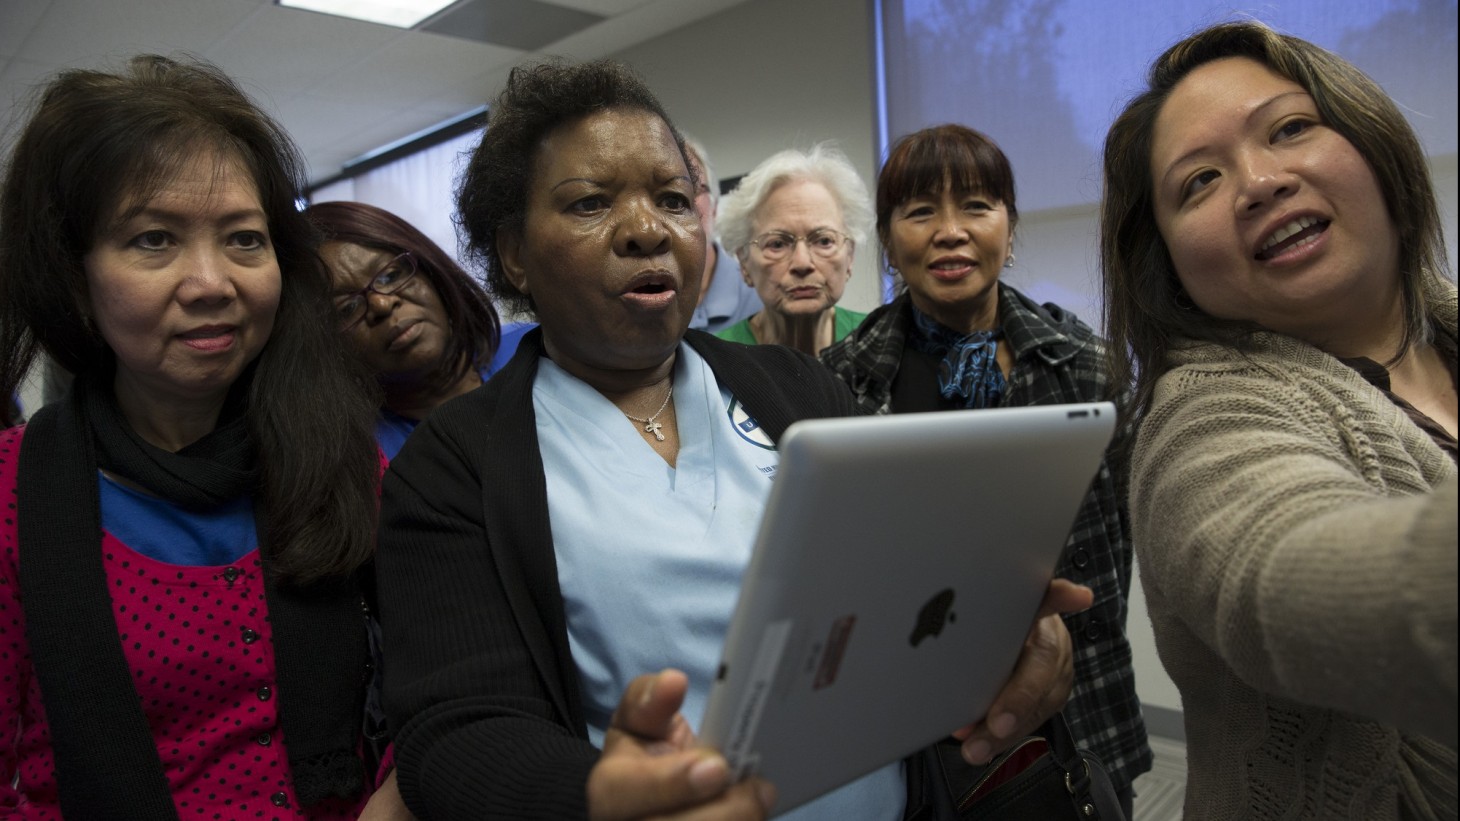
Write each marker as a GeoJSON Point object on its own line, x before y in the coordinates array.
{"type": "Point", "coordinates": [480, 684]}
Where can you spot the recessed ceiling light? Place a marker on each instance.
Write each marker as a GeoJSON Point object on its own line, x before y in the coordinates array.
{"type": "Point", "coordinates": [399, 13]}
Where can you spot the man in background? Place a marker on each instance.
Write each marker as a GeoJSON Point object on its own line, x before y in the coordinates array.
{"type": "Point", "coordinates": [725, 299]}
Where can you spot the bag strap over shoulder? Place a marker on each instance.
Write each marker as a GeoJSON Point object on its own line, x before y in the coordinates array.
{"type": "Point", "coordinates": [1079, 779]}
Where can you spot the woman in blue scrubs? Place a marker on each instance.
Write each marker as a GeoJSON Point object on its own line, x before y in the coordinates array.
{"type": "Point", "coordinates": [551, 540]}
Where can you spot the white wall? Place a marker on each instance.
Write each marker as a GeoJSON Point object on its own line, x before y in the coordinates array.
{"type": "Point", "coordinates": [1443, 172]}
{"type": "Point", "coordinates": [767, 75]}
{"type": "Point", "coordinates": [1057, 259]}
{"type": "Point", "coordinates": [1059, 256]}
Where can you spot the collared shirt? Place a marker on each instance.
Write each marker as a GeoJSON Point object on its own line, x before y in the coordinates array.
{"type": "Point", "coordinates": [728, 300]}
{"type": "Point", "coordinates": [1057, 359]}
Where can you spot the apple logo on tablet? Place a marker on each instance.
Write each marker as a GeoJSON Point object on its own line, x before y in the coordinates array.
{"type": "Point", "coordinates": [934, 615]}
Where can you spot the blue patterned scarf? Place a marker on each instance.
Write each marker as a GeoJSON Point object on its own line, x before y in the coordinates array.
{"type": "Point", "coordinates": [969, 373]}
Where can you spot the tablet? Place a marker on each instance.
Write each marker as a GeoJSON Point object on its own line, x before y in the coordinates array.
{"type": "Point", "coordinates": [900, 563]}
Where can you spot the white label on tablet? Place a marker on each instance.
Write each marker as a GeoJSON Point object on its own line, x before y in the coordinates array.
{"type": "Point", "coordinates": [738, 750]}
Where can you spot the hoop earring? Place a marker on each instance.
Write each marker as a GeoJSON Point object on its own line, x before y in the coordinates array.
{"type": "Point", "coordinates": [1009, 263]}
{"type": "Point", "coordinates": [1182, 300]}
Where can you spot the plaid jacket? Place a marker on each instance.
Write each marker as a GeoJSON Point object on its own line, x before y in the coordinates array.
{"type": "Point", "coordinates": [1057, 359]}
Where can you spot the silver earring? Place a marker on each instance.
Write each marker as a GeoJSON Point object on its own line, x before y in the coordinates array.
{"type": "Point", "coordinates": [1009, 263]}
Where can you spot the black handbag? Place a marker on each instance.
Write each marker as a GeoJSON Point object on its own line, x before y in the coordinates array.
{"type": "Point", "coordinates": [1044, 777]}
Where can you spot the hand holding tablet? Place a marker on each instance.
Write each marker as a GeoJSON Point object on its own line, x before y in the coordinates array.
{"type": "Point", "coordinates": [900, 570]}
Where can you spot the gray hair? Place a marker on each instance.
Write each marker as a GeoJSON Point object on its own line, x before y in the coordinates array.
{"type": "Point", "coordinates": [711, 181]}
{"type": "Point", "coordinates": [824, 163]}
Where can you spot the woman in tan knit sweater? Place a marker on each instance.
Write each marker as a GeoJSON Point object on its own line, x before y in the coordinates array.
{"type": "Point", "coordinates": [1275, 290]}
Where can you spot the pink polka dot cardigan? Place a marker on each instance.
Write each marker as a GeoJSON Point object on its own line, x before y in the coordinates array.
{"type": "Point", "coordinates": [200, 649]}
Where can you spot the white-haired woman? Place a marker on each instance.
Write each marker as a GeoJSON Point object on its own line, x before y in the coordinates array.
{"type": "Point", "coordinates": [794, 223]}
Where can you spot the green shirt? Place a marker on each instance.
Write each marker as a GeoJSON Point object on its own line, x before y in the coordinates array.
{"type": "Point", "coordinates": [844, 322]}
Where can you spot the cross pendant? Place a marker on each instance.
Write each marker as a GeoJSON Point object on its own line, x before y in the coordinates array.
{"type": "Point", "coordinates": [653, 427]}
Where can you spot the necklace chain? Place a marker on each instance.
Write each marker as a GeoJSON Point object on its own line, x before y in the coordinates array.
{"type": "Point", "coordinates": [650, 426]}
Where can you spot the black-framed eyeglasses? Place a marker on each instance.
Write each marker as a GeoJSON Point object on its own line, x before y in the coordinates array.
{"type": "Point", "coordinates": [392, 276]}
{"type": "Point", "coordinates": [777, 245]}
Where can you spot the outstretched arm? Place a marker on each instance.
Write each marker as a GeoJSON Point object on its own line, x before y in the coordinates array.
{"type": "Point", "coordinates": [1261, 525]}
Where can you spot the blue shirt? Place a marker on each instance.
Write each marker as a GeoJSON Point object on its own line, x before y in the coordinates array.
{"type": "Point", "coordinates": [728, 300]}
{"type": "Point", "coordinates": [507, 346]}
{"type": "Point", "coordinates": [662, 549]}
{"type": "Point", "coordinates": [392, 430]}
{"type": "Point", "coordinates": [170, 533]}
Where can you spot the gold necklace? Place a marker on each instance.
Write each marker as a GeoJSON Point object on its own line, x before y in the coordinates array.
{"type": "Point", "coordinates": [650, 426]}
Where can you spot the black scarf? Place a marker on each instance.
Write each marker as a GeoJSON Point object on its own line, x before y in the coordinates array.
{"type": "Point", "coordinates": [107, 765]}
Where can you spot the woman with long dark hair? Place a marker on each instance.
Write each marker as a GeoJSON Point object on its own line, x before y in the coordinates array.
{"type": "Point", "coordinates": [1275, 288]}
{"type": "Point", "coordinates": [185, 631]}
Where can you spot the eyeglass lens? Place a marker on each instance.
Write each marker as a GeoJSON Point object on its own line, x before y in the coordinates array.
{"type": "Point", "coordinates": [350, 308]}
{"type": "Point", "coordinates": [775, 245]}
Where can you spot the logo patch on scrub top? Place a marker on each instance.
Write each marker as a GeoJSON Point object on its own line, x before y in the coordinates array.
{"type": "Point", "coordinates": [749, 429]}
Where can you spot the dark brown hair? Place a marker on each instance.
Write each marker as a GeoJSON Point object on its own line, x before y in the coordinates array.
{"type": "Point", "coordinates": [98, 140]}
{"type": "Point", "coordinates": [1145, 307]}
{"type": "Point", "coordinates": [475, 328]}
{"type": "Point", "coordinates": [539, 98]}
{"type": "Point", "coordinates": [934, 159]}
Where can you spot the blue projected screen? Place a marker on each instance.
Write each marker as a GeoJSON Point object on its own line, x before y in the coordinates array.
{"type": "Point", "coordinates": [1044, 78]}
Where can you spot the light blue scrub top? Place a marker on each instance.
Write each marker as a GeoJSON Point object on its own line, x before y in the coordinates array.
{"type": "Point", "coordinates": [662, 549]}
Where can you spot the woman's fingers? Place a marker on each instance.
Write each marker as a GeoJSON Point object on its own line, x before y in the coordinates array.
{"type": "Point", "coordinates": [651, 768]}
{"type": "Point", "coordinates": [1041, 682]}
{"type": "Point", "coordinates": [650, 705]}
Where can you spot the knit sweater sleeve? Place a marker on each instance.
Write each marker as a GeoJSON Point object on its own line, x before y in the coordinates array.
{"type": "Point", "coordinates": [477, 735]}
{"type": "Point", "coordinates": [1287, 538]}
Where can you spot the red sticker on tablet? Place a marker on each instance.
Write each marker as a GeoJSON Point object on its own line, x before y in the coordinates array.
{"type": "Point", "coordinates": [831, 657]}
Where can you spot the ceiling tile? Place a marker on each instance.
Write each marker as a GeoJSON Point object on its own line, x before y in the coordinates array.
{"type": "Point", "coordinates": [288, 50]}
{"type": "Point", "coordinates": [17, 17]}
{"type": "Point", "coordinates": [341, 87]}
{"type": "Point", "coordinates": [87, 33]}
{"type": "Point", "coordinates": [607, 8]}
{"type": "Point", "coordinates": [644, 22]}
{"type": "Point", "coordinates": [484, 86]}
{"type": "Point", "coordinates": [19, 84]}
{"type": "Point", "coordinates": [520, 24]}
{"type": "Point", "coordinates": [451, 104]}
{"type": "Point", "coordinates": [415, 67]}
{"type": "Point", "coordinates": [327, 124]}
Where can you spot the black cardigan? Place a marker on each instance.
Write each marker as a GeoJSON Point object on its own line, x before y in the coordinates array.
{"type": "Point", "coordinates": [480, 686]}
